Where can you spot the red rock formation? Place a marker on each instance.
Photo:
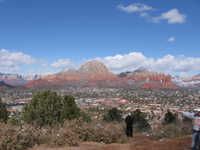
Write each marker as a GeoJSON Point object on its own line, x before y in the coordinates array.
{"type": "Point", "coordinates": [94, 73]}
{"type": "Point", "coordinates": [196, 77]}
{"type": "Point", "coordinates": [152, 79]}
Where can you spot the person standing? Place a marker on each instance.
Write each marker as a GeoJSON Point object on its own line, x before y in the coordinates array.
{"type": "Point", "coordinates": [195, 116]}
{"type": "Point", "coordinates": [129, 125]}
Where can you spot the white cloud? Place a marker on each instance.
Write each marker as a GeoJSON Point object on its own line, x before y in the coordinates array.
{"type": "Point", "coordinates": [63, 63]}
{"type": "Point", "coordinates": [171, 39]}
{"type": "Point", "coordinates": [167, 64]}
{"type": "Point", "coordinates": [136, 7]}
{"type": "Point", "coordinates": [14, 62]}
{"type": "Point", "coordinates": [172, 16]}
{"type": "Point", "coordinates": [42, 72]}
{"type": "Point", "coordinates": [11, 61]}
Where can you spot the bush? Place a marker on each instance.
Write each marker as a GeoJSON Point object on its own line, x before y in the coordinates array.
{"type": "Point", "coordinates": [69, 134]}
{"type": "Point", "coordinates": [12, 138]}
{"type": "Point", "coordinates": [14, 120]}
{"type": "Point", "coordinates": [169, 118]}
{"type": "Point", "coordinates": [113, 115]}
{"type": "Point", "coordinates": [3, 112]}
{"type": "Point", "coordinates": [62, 137]}
{"type": "Point", "coordinates": [48, 108]}
{"type": "Point", "coordinates": [172, 130]}
{"type": "Point", "coordinates": [140, 122]}
{"type": "Point", "coordinates": [97, 132]}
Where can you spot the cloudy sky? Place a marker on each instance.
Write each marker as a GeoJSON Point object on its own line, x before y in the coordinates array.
{"type": "Point", "coordinates": [47, 36]}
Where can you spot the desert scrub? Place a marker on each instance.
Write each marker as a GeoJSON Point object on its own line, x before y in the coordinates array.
{"type": "Point", "coordinates": [172, 130]}
{"type": "Point", "coordinates": [60, 137]}
{"type": "Point", "coordinates": [22, 138]}
{"type": "Point", "coordinates": [97, 131]}
{"type": "Point", "coordinates": [69, 134]}
{"type": "Point", "coordinates": [15, 138]}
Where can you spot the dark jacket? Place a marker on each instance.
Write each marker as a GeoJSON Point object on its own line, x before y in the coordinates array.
{"type": "Point", "coordinates": [129, 121]}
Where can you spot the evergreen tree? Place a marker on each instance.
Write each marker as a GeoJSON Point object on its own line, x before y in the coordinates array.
{"type": "Point", "coordinates": [48, 108]}
{"type": "Point", "coordinates": [139, 120]}
{"type": "Point", "coordinates": [113, 115]}
{"type": "Point", "coordinates": [169, 118]}
{"type": "Point", "coordinates": [3, 112]}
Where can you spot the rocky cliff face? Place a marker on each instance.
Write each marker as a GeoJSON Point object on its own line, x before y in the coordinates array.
{"type": "Point", "coordinates": [196, 77]}
{"type": "Point", "coordinates": [94, 67]}
{"type": "Point", "coordinates": [94, 73]}
{"type": "Point", "coordinates": [188, 82]}
{"type": "Point", "coordinates": [89, 74]}
{"type": "Point", "coordinates": [145, 78]}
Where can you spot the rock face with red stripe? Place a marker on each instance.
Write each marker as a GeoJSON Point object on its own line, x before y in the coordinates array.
{"type": "Point", "coordinates": [94, 73]}
{"type": "Point", "coordinates": [196, 77]}
{"type": "Point", "coordinates": [89, 74]}
{"type": "Point", "coordinates": [145, 78]}
{"type": "Point", "coordinates": [188, 82]}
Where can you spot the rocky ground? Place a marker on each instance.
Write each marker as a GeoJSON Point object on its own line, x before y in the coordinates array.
{"type": "Point", "coordinates": [136, 143]}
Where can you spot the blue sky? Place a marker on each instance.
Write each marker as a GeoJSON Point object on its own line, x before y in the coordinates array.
{"type": "Point", "coordinates": [51, 35]}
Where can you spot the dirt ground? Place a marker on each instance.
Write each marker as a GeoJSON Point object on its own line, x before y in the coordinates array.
{"type": "Point", "coordinates": [136, 143]}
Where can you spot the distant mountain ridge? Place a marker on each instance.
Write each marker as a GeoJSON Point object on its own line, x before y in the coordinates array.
{"type": "Point", "coordinates": [4, 85]}
{"type": "Point", "coordinates": [12, 79]}
{"type": "Point", "coordinates": [95, 73]}
{"type": "Point", "coordinates": [189, 82]}
{"type": "Point", "coordinates": [16, 80]}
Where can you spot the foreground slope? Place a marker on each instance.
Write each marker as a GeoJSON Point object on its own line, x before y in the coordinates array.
{"type": "Point", "coordinates": [137, 143]}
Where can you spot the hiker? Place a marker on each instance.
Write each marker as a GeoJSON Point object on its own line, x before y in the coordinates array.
{"type": "Point", "coordinates": [129, 125]}
{"type": "Point", "coordinates": [196, 127]}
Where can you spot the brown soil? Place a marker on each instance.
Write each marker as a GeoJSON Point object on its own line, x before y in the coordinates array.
{"type": "Point", "coordinates": [136, 143]}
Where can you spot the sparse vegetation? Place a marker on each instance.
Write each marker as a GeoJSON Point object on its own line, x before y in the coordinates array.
{"type": "Point", "coordinates": [62, 123]}
{"type": "Point", "coordinates": [169, 118]}
{"type": "Point", "coordinates": [113, 114]}
{"type": "Point", "coordinates": [48, 108]}
{"type": "Point", "coordinates": [3, 112]}
{"type": "Point", "coordinates": [140, 122]}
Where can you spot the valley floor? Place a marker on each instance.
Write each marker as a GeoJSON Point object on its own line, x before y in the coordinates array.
{"type": "Point", "coordinates": [136, 143]}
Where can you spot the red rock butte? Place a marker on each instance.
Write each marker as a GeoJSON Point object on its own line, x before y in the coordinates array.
{"type": "Point", "coordinates": [95, 73]}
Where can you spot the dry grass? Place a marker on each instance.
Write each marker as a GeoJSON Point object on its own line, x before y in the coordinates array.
{"type": "Point", "coordinates": [172, 130]}
{"type": "Point", "coordinates": [79, 135]}
{"type": "Point", "coordinates": [70, 134]}
{"type": "Point", "coordinates": [136, 143]}
{"type": "Point", "coordinates": [98, 131]}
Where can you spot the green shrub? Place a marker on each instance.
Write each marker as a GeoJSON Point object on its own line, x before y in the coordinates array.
{"type": "Point", "coordinates": [14, 120]}
{"type": "Point", "coordinates": [113, 115]}
{"type": "Point", "coordinates": [48, 108]}
{"type": "Point", "coordinates": [169, 118]}
{"type": "Point", "coordinates": [3, 112]}
{"type": "Point", "coordinates": [140, 122]}
{"type": "Point", "coordinates": [172, 130]}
